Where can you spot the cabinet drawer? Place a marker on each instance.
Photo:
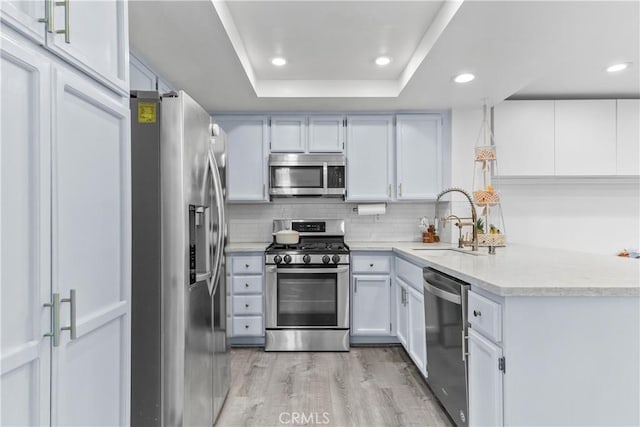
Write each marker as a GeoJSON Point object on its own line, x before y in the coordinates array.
{"type": "Point", "coordinates": [251, 264]}
{"type": "Point", "coordinates": [247, 304]}
{"type": "Point", "coordinates": [247, 326]}
{"type": "Point", "coordinates": [410, 273]}
{"type": "Point", "coordinates": [370, 264]}
{"type": "Point", "coordinates": [485, 316]}
{"type": "Point", "coordinates": [247, 284]}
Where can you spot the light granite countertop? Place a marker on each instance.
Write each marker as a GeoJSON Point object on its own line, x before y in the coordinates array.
{"type": "Point", "coordinates": [524, 271]}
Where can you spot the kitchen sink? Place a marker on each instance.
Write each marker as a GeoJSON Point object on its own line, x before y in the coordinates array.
{"type": "Point", "coordinates": [449, 252]}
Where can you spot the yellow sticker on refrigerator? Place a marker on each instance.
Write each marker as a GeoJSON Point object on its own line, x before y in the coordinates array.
{"type": "Point", "coordinates": [146, 112]}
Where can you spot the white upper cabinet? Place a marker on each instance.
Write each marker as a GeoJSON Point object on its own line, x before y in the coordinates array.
{"type": "Point", "coordinates": [585, 137]}
{"type": "Point", "coordinates": [524, 135]}
{"type": "Point", "coordinates": [95, 39]}
{"type": "Point", "coordinates": [326, 134]}
{"type": "Point", "coordinates": [247, 157]}
{"type": "Point", "coordinates": [140, 76]}
{"type": "Point", "coordinates": [369, 158]}
{"type": "Point", "coordinates": [419, 158]}
{"type": "Point", "coordinates": [628, 137]}
{"type": "Point", "coordinates": [288, 134]}
{"type": "Point", "coordinates": [25, 17]}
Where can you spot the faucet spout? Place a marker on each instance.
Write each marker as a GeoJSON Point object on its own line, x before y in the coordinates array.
{"type": "Point", "coordinates": [474, 215]}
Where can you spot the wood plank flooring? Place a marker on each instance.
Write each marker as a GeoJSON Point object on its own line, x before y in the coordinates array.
{"type": "Point", "coordinates": [368, 386]}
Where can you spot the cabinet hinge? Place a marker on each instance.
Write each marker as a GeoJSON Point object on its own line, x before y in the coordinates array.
{"type": "Point", "coordinates": [501, 365]}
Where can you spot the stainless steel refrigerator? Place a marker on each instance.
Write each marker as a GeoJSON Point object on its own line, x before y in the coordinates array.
{"type": "Point", "coordinates": [179, 350]}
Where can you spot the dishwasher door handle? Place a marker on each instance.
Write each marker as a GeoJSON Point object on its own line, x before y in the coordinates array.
{"type": "Point", "coordinates": [451, 297]}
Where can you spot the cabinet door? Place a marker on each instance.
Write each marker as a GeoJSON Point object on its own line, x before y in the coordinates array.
{"type": "Point", "coordinates": [326, 134]}
{"type": "Point", "coordinates": [25, 260]}
{"type": "Point", "coordinates": [628, 137]}
{"type": "Point", "coordinates": [24, 16]}
{"type": "Point", "coordinates": [418, 148]}
{"type": "Point", "coordinates": [417, 337]}
{"type": "Point", "coordinates": [140, 76]}
{"type": "Point", "coordinates": [402, 320]}
{"type": "Point", "coordinates": [371, 305]}
{"type": "Point", "coordinates": [485, 382]}
{"type": "Point", "coordinates": [289, 134]}
{"type": "Point", "coordinates": [91, 252]}
{"type": "Point", "coordinates": [524, 135]}
{"type": "Point", "coordinates": [369, 154]}
{"type": "Point", "coordinates": [98, 39]}
{"type": "Point", "coordinates": [247, 158]}
{"type": "Point", "coordinates": [585, 137]}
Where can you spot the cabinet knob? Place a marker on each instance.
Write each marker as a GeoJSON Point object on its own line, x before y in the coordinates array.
{"type": "Point", "coordinates": [246, 285]}
{"type": "Point", "coordinates": [246, 326]}
{"type": "Point", "coordinates": [370, 265]}
{"type": "Point", "coordinates": [476, 313]}
{"type": "Point", "coordinates": [246, 266]}
{"type": "Point", "coordinates": [246, 306]}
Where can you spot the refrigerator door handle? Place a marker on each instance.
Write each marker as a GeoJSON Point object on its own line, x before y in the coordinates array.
{"type": "Point", "coordinates": [219, 201]}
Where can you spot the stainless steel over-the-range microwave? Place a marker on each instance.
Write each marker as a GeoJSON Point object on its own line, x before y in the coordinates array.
{"type": "Point", "coordinates": [306, 175]}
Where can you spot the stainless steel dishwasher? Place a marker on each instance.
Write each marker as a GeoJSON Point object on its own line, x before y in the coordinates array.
{"type": "Point", "coordinates": [445, 307]}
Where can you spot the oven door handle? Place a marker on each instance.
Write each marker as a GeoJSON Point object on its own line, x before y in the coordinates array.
{"type": "Point", "coordinates": [343, 269]}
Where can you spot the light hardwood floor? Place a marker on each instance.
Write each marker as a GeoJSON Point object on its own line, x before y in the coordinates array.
{"type": "Point", "coordinates": [368, 386]}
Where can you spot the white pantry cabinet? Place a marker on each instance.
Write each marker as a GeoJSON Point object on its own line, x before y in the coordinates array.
{"type": "Point", "coordinates": [94, 34]}
{"type": "Point", "coordinates": [628, 130]}
{"type": "Point", "coordinates": [326, 134]}
{"type": "Point", "coordinates": [418, 156]}
{"type": "Point", "coordinates": [369, 158]}
{"type": "Point", "coordinates": [524, 135]}
{"type": "Point", "coordinates": [585, 137]}
{"type": "Point", "coordinates": [74, 204]}
{"type": "Point", "coordinates": [288, 134]}
{"type": "Point", "coordinates": [247, 155]}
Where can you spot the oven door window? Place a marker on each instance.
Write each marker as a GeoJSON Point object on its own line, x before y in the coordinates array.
{"type": "Point", "coordinates": [297, 177]}
{"type": "Point", "coordinates": [307, 299]}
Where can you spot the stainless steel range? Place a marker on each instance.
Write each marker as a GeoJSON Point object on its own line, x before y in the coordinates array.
{"type": "Point", "coordinates": [307, 289]}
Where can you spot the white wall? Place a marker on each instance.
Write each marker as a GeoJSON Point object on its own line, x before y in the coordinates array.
{"type": "Point", "coordinates": [253, 222]}
{"type": "Point", "coordinates": [597, 218]}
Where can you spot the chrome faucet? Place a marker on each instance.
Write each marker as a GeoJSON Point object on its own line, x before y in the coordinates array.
{"type": "Point", "coordinates": [460, 224]}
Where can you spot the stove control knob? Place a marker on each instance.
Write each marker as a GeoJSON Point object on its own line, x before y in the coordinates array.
{"type": "Point", "coordinates": [326, 259]}
{"type": "Point", "coordinates": [335, 259]}
{"type": "Point", "coordinates": [287, 259]}
{"type": "Point", "coordinates": [306, 259]}
{"type": "Point", "coordinates": [277, 259]}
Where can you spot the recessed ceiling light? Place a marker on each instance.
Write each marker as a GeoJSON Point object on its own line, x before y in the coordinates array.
{"type": "Point", "coordinates": [617, 67]}
{"type": "Point", "coordinates": [383, 60]}
{"type": "Point", "coordinates": [464, 78]}
{"type": "Point", "coordinates": [278, 61]}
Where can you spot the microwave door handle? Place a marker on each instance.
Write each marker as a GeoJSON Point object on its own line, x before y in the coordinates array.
{"type": "Point", "coordinates": [325, 176]}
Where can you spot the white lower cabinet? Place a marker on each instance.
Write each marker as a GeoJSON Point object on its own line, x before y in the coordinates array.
{"type": "Point", "coordinates": [371, 305]}
{"type": "Point", "coordinates": [246, 302]}
{"type": "Point", "coordinates": [416, 328]}
{"type": "Point", "coordinates": [65, 234]}
{"type": "Point", "coordinates": [371, 295]}
{"type": "Point", "coordinates": [485, 382]}
{"type": "Point", "coordinates": [402, 313]}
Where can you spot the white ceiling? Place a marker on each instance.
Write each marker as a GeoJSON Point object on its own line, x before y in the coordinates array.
{"type": "Point", "coordinates": [220, 52]}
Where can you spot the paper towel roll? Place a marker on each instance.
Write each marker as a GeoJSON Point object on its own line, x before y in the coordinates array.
{"type": "Point", "coordinates": [372, 209]}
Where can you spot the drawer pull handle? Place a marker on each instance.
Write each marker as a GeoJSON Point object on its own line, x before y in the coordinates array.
{"type": "Point", "coordinates": [246, 326]}
{"type": "Point", "coordinates": [246, 285]}
{"type": "Point", "coordinates": [476, 313]}
{"type": "Point", "coordinates": [370, 265]}
{"type": "Point", "coordinates": [246, 306]}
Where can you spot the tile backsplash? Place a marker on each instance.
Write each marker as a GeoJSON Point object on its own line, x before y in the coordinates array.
{"type": "Point", "coordinates": [253, 222]}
